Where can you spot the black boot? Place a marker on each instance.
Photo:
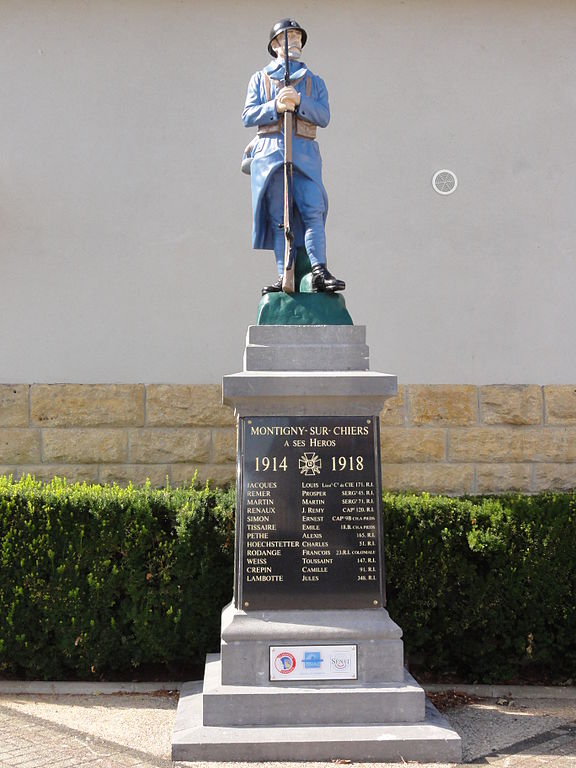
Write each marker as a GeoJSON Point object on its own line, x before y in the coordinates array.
{"type": "Point", "coordinates": [323, 281]}
{"type": "Point", "coordinates": [276, 288]}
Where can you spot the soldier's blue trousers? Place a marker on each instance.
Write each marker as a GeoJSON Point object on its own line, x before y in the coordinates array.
{"type": "Point", "coordinates": [309, 200]}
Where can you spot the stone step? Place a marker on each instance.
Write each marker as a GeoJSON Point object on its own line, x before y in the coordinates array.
{"type": "Point", "coordinates": [306, 348]}
{"type": "Point", "coordinates": [306, 358]}
{"type": "Point", "coordinates": [431, 740]}
{"type": "Point", "coordinates": [308, 703]}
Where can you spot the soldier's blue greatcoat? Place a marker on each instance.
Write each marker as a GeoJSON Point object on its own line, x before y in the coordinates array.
{"type": "Point", "coordinates": [268, 155]}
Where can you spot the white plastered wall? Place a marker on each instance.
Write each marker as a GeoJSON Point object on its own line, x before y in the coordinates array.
{"type": "Point", "coordinates": [125, 222]}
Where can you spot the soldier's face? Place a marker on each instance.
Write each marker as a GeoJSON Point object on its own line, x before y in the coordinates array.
{"type": "Point", "coordinates": [294, 44]}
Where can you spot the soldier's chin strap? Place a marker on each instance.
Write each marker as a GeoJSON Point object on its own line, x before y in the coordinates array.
{"type": "Point", "coordinates": [277, 70]}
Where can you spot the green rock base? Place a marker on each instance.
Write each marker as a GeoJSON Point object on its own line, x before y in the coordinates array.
{"type": "Point", "coordinates": [303, 307]}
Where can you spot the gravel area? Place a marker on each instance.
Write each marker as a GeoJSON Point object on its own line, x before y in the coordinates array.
{"type": "Point", "coordinates": [487, 727]}
{"type": "Point", "coordinates": [135, 730]}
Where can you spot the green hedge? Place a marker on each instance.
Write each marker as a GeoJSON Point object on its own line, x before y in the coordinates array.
{"type": "Point", "coordinates": [99, 581]}
{"type": "Point", "coordinates": [485, 587]}
{"type": "Point", "coordinates": [102, 582]}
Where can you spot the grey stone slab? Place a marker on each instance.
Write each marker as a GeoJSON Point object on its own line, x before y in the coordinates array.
{"type": "Point", "coordinates": [321, 393]}
{"type": "Point", "coordinates": [63, 687]}
{"type": "Point", "coordinates": [560, 692]}
{"type": "Point", "coordinates": [342, 625]}
{"type": "Point", "coordinates": [432, 740]}
{"type": "Point", "coordinates": [306, 348]}
{"type": "Point", "coordinates": [247, 637]}
{"type": "Point", "coordinates": [309, 703]}
{"type": "Point", "coordinates": [307, 358]}
{"type": "Point", "coordinates": [306, 334]}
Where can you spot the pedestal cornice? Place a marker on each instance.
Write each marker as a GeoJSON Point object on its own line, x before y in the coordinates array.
{"type": "Point", "coordinates": [320, 393]}
{"type": "Point", "coordinates": [286, 373]}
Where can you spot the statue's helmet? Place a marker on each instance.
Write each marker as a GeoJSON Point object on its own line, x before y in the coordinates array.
{"type": "Point", "coordinates": [282, 25]}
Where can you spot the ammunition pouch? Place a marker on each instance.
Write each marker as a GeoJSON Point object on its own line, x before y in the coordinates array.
{"type": "Point", "coordinates": [304, 129]}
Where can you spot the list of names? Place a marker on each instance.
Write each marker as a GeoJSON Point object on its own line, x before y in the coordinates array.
{"type": "Point", "coordinates": [310, 513]}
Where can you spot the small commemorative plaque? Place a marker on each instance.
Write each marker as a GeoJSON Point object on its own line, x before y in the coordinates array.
{"type": "Point", "coordinates": [313, 662]}
{"type": "Point", "coordinates": [309, 513]}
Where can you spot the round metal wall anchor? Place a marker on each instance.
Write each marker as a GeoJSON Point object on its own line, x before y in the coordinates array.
{"type": "Point", "coordinates": [444, 182]}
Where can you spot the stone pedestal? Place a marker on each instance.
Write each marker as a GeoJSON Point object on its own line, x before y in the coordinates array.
{"type": "Point", "coordinates": [310, 664]}
{"type": "Point", "coordinates": [247, 637]}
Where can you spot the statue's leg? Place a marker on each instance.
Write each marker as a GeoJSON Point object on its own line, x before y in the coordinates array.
{"type": "Point", "coordinates": [309, 198]}
{"type": "Point", "coordinates": [275, 207]}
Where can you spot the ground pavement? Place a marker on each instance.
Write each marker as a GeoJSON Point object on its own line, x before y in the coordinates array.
{"type": "Point", "coordinates": [134, 729]}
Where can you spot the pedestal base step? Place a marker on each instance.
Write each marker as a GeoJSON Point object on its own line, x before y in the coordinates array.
{"type": "Point", "coordinates": [309, 703]}
{"type": "Point", "coordinates": [432, 740]}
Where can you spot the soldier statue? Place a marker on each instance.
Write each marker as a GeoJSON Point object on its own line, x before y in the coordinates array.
{"type": "Point", "coordinates": [272, 92]}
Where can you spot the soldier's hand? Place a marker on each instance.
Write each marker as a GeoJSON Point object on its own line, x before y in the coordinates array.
{"type": "Point", "coordinates": [287, 99]}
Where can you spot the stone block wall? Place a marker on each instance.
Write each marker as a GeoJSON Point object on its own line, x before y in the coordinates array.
{"type": "Point", "coordinates": [117, 432]}
{"type": "Point", "coordinates": [487, 439]}
{"type": "Point", "coordinates": [444, 439]}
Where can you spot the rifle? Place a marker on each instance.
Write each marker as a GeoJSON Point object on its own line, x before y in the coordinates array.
{"type": "Point", "coordinates": [289, 249]}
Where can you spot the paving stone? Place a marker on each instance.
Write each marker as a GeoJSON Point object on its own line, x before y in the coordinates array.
{"type": "Point", "coordinates": [133, 731]}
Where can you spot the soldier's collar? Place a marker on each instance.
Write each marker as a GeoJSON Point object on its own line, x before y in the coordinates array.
{"type": "Point", "coordinates": [275, 69]}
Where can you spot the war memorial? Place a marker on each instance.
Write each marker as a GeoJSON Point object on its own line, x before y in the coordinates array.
{"type": "Point", "coordinates": [311, 665]}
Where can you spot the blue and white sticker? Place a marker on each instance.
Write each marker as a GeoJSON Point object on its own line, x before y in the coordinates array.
{"type": "Point", "coordinates": [313, 662]}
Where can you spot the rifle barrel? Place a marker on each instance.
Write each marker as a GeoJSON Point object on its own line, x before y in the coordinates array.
{"type": "Point", "coordinates": [288, 279]}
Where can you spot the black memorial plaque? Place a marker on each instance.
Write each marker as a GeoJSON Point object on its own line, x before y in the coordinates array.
{"type": "Point", "coordinates": [309, 513]}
